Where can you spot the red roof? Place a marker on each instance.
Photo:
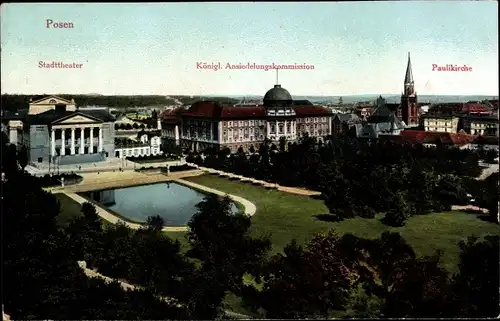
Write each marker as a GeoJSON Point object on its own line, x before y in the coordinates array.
{"type": "Point", "coordinates": [243, 112]}
{"type": "Point", "coordinates": [418, 136]}
{"type": "Point", "coordinates": [486, 140]}
{"type": "Point", "coordinates": [311, 111]}
{"type": "Point", "coordinates": [213, 109]}
{"type": "Point", "coordinates": [474, 107]}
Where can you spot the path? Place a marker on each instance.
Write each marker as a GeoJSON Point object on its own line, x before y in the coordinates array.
{"type": "Point", "coordinates": [287, 189]}
{"type": "Point", "coordinates": [127, 286]}
{"type": "Point", "coordinates": [490, 169]}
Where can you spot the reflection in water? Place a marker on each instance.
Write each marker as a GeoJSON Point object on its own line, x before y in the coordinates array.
{"type": "Point", "coordinates": [173, 202]}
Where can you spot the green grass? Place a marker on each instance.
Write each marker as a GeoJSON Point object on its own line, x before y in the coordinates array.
{"type": "Point", "coordinates": [70, 209]}
{"type": "Point", "coordinates": [286, 216]}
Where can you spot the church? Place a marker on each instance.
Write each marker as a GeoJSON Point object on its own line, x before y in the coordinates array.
{"type": "Point", "coordinates": [210, 124]}
{"type": "Point", "coordinates": [392, 119]}
{"type": "Point", "coordinates": [54, 130]}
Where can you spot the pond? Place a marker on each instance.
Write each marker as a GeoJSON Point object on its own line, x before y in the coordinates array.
{"type": "Point", "coordinates": [175, 203]}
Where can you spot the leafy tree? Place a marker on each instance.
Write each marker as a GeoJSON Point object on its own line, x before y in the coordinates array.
{"type": "Point", "coordinates": [22, 157]}
{"type": "Point", "coordinates": [155, 223]}
{"type": "Point", "coordinates": [9, 160]}
{"type": "Point", "coordinates": [135, 126]}
{"type": "Point", "coordinates": [117, 126]}
{"type": "Point", "coordinates": [398, 212]}
{"type": "Point", "coordinates": [128, 126]}
{"type": "Point", "coordinates": [282, 143]}
{"type": "Point", "coordinates": [221, 241]}
{"type": "Point", "coordinates": [476, 285]}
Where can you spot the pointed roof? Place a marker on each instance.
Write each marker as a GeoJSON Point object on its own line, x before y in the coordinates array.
{"type": "Point", "coordinates": [409, 73]}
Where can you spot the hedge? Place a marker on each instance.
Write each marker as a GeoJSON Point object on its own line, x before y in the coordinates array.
{"type": "Point", "coordinates": [173, 168]}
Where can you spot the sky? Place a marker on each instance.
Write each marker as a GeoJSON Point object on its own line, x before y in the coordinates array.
{"type": "Point", "coordinates": [154, 48]}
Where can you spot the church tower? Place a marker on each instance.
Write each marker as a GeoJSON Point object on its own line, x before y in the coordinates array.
{"type": "Point", "coordinates": [409, 109]}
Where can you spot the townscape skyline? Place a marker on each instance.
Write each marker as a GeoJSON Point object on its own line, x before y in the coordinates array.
{"type": "Point", "coordinates": [155, 49]}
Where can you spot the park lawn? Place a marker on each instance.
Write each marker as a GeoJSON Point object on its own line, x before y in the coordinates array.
{"type": "Point", "coordinates": [286, 216]}
{"type": "Point", "coordinates": [70, 209]}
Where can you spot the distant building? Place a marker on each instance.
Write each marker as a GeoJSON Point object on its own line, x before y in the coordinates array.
{"type": "Point", "coordinates": [383, 121]}
{"type": "Point", "coordinates": [432, 139]}
{"type": "Point", "coordinates": [210, 124]}
{"type": "Point", "coordinates": [149, 144]}
{"type": "Point", "coordinates": [480, 125]}
{"type": "Point", "coordinates": [485, 143]}
{"type": "Point", "coordinates": [343, 123]}
{"type": "Point", "coordinates": [441, 123]}
{"type": "Point", "coordinates": [54, 130]}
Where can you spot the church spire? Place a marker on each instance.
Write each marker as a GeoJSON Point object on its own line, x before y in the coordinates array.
{"type": "Point", "coordinates": [409, 73]}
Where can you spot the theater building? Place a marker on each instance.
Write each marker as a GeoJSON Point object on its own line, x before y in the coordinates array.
{"type": "Point", "coordinates": [207, 124]}
{"type": "Point", "coordinates": [54, 130]}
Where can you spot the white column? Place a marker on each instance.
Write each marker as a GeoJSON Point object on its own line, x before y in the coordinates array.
{"type": "Point", "coordinates": [100, 140]}
{"type": "Point", "coordinates": [211, 131]}
{"type": "Point", "coordinates": [91, 140]}
{"type": "Point", "coordinates": [63, 141]}
{"type": "Point", "coordinates": [53, 143]}
{"type": "Point", "coordinates": [82, 140]}
{"type": "Point", "coordinates": [268, 128]}
{"type": "Point", "coordinates": [176, 132]}
{"type": "Point", "coordinates": [286, 132]}
{"type": "Point", "coordinates": [73, 141]}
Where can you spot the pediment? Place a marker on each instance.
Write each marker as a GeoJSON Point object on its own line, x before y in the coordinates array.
{"type": "Point", "coordinates": [52, 100]}
{"type": "Point", "coordinates": [76, 119]}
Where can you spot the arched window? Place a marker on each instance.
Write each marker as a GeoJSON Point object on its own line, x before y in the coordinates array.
{"type": "Point", "coordinates": [52, 101]}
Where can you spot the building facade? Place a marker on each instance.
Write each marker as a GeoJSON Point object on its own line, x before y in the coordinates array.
{"type": "Point", "coordinates": [53, 130]}
{"type": "Point", "coordinates": [441, 123]}
{"type": "Point", "coordinates": [148, 144]}
{"type": "Point", "coordinates": [210, 124]}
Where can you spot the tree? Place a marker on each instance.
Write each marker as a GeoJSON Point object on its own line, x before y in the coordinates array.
{"type": "Point", "coordinates": [142, 126]}
{"type": "Point", "coordinates": [135, 126]}
{"type": "Point", "coordinates": [23, 157]}
{"type": "Point", "coordinates": [476, 285]}
{"type": "Point", "coordinates": [398, 212]}
{"type": "Point", "coordinates": [155, 223]}
{"type": "Point", "coordinates": [9, 160]}
{"type": "Point", "coordinates": [295, 286]}
{"type": "Point", "coordinates": [117, 126]}
{"type": "Point", "coordinates": [221, 241]}
{"type": "Point", "coordinates": [128, 126]}
{"type": "Point", "coordinates": [282, 143]}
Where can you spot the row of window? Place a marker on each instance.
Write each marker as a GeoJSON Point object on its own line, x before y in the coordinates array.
{"type": "Point", "coordinates": [242, 123]}
{"type": "Point", "coordinates": [243, 138]}
{"type": "Point", "coordinates": [260, 122]}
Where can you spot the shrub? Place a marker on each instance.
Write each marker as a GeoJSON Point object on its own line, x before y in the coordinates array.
{"type": "Point", "coordinates": [179, 168]}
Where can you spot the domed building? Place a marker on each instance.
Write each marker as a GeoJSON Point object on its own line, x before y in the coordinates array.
{"type": "Point", "coordinates": [210, 124]}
